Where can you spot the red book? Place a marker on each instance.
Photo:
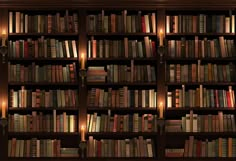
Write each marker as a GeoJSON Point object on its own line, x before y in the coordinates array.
{"type": "Point", "coordinates": [143, 25]}
{"type": "Point", "coordinates": [26, 51]}
{"type": "Point", "coordinates": [99, 147]}
{"type": "Point", "coordinates": [154, 49]}
{"type": "Point", "coordinates": [228, 99]}
{"type": "Point", "coordinates": [199, 148]}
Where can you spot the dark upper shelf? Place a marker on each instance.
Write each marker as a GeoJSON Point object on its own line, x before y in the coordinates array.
{"type": "Point", "coordinates": [122, 84]}
{"type": "Point", "coordinates": [42, 59]}
{"type": "Point", "coordinates": [120, 34]}
{"type": "Point", "coordinates": [42, 34]}
{"type": "Point", "coordinates": [200, 34]}
{"type": "Point", "coordinates": [201, 83]}
{"type": "Point", "coordinates": [43, 83]}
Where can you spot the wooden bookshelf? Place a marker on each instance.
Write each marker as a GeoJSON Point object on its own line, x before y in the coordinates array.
{"type": "Point", "coordinates": [161, 85]}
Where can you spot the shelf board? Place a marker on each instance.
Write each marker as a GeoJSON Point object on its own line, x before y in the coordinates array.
{"type": "Point", "coordinates": [43, 158]}
{"type": "Point", "coordinates": [198, 159]}
{"type": "Point", "coordinates": [42, 34]}
{"type": "Point", "coordinates": [122, 59]}
{"type": "Point", "coordinates": [122, 109]}
{"type": "Point", "coordinates": [42, 59]}
{"type": "Point", "coordinates": [122, 134]}
{"type": "Point", "coordinates": [78, 158]}
{"type": "Point", "coordinates": [185, 109]}
{"type": "Point", "coordinates": [177, 59]}
{"type": "Point", "coordinates": [121, 158]}
{"type": "Point", "coordinates": [201, 83]}
{"type": "Point", "coordinates": [43, 84]}
{"type": "Point", "coordinates": [200, 34]}
{"type": "Point", "coordinates": [121, 84]}
{"type": "Point", "coordinates": [28, 109]}
{"type": "Point", "coordinates": [120, 34]}
{"type": "Point", "coordinates": [199, 134]}
{"type": "Point", "coordinates": [43, 134]}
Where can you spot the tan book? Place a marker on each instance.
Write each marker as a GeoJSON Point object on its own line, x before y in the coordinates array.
{"type": "Point", "coordinates": [222, 46]}
{"type": "Point", "coordinates": [13, 146]}
{"type": "Point", "coordinates": [147, 46]}
{"type": "Point", "coordinates": [153, 18]}
{"type": "Point", "coordinates": [147, 23]}
{"type": "Point", "coordinates": [167, 24]}
{"type": "Point", "coordinates": [94, 48]}
{"type": "Point", "coordinates": [17, 22]}
{"type": "Point", "coordinates": [190, 147]}
{"type": "Point", "coordinates": [10, 22]}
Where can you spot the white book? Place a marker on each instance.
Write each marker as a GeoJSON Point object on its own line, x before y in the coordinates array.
{"type": "Point", "coordinates": [169, 99]}
{"type": "Point", "coordinates": [149, 148]}
{"type": "Point", "coordinates": [233, 24]}
{"type": "Point", "coordinates": [67, 49]}
{"type": "Point", "coordinates": [187, 122]}
{"type": "Point", "coordinates": [98, 124]}
{"type": "Point", "coordinates": [143, 99]}
{"type": "Point", "coordinates": [72, 123]}
{"type": "Point", "coordinates": [74, 49]}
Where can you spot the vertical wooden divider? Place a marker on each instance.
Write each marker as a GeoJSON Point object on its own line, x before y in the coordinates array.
{"type": "Point", "coordinates": [161, 92]}
{"type": "Point", "coordinates": [3, 85]}
{"type": "Point", "coordinates": [82, 49]}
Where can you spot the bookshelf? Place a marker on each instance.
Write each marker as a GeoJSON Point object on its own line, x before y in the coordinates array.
{"type": "Point", "coordinates": [120, 89]}
{"type": "Point", "coordinates": [199, 91]}
{"type": "Point", "coordinates": [121, 98]}
{"type": "Point", "coordinates": [43, 84]}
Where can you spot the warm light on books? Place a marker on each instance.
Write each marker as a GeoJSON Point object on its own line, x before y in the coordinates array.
{"type": "Point", "coordinates": [82, 61]}
{"type": "Point", "coordinates": [161, 110]}
{"type": "Point", "coordinates": [161, 37]}
{"type": "Point", "coordinates": [3, 109]}
{"type": "Point", "coordinates": [4, 37]}
{"type": "Point", "coordinates": [82, 130]}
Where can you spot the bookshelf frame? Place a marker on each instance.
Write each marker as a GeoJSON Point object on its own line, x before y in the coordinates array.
{"type": "Point", "coordinates": [82, 7]}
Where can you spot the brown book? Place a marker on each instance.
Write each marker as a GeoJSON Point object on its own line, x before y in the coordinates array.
{"type": "Point", "coordinates": [113, 23]}
{"type": "Point", "coordinates": [190, 147]}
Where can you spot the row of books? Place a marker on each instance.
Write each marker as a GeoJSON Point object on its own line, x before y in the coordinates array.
{"type": "Point", "coordinates": [209, 72]}
{"type": "Point", "coordinates": [40, 122]}
{"type": "Point", "coordinates": [121, 123]}
{"type": "Point", "coordinates": [40, 98]}
{"type": "Point", "coordinates": [201, 97]}
{"type": "Point", "coordinates": [121, 48]}
{"type": "Point", "coordinates": [42, 73]}
{"type": "Point", "coordinates": [20, 22]}
{"type": "Point", "coordinates": [220, 147]}
{"type": "Point", "coordinates": [122, 98]}
{"type": "Point", "coordinates": [202, 123]}
{"type": "Point", "coordinates": [39, 148]}
{"type": "Point", "coordinates": [200, 23]}
{"type": "Point", "coordinates": [213, 48]}
{"type": "Point", "coordinates": [122, 73]}
{"type": "Point", "coordinates": [122, 22]}
{"type": "Point", "coordinates": [42, 48]}
{"type": "Point", "coordinates": [132, 147]}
